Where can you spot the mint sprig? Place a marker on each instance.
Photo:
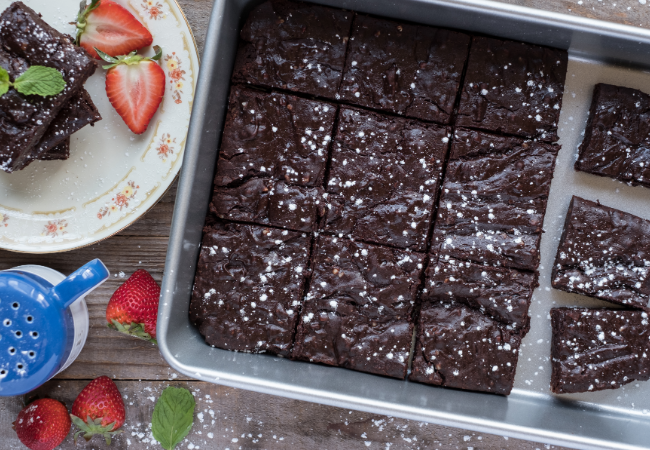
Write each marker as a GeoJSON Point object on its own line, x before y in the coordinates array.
{"type": "Point", "coordinates": [37, 80]}
{"type": "Point", "coordinates": [173, 417]}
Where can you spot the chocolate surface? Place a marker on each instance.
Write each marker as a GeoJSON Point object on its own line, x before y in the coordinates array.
{"type": "Point", "coordinates": [461, 348]}
{"type": "Point", "coordinates": [357, 313]}
{"type": "Point", "coordinates": [403, 68]}
{"type": "Point", "coordinates": [295, 46]}
{"type": "Point", "coordinates": [493, 200]}
{"type": "Point", "coordinates": [384, 178]}
{"type": "Point", "coordinates": [597, 349]}
{"type": "Point", "coordinates": [268, 202]}
{"type": "Point", "coordinates": [604, 253]}
{"type": "Point", "coordinates": [24, 121]}
{"type": "Point", "coordinates": [59, 153]}
{"type": "Point", "coordinates": [248, 287]}
{"type": "Point", "coordinates": [617, 137]}
{"type": "Point", "coordinates": [503, 294]}
{"type": "Point", "coordinates": [514, 88]}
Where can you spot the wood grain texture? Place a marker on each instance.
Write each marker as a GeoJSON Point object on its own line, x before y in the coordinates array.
{"type": "Point", "coordinates": [234, 419]}
{"type": "Point", "coordinates": [242, 419]}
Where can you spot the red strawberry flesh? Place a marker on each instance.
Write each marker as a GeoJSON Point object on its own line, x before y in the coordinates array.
{"type": "Point", "coordinates": [133, 308]}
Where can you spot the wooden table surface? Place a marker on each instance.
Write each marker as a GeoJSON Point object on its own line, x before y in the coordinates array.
{"type": "Point", "coordinates": [231, 418]}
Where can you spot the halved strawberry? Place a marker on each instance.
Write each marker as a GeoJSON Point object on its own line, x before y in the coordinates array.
{"type": "Point", "coordinates": [135, 85]}
{"type": "Point", "coordinates": [111, 28]}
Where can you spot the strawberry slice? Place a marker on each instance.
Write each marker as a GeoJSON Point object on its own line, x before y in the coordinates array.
{"type": "Point", "coordinates": [135, 85]}
{"type": "Point", "coordinates": [111, 28]}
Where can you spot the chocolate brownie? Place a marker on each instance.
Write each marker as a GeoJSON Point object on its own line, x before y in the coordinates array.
{"type": "Point", "coordinates": [459, 347]}
{"type": "Point", "coordinates": [604, 253]}
{"type": "Point", "coordinates": [295, 46]}
{"type": "Point", "coordinates": [597, 349]}
{"type": "Point", "coordinates": [269, 202]}
{"type": "Point", "coordinates": [272, 137]}
{"type": "Point", "coordinates": [617, 137]}
{"type": "Point", "coordinates": [23, 121]}
{"type": "Point", "coordinates": [514, 88]}
{"type": "Point", "coordinates": [357, 313]}
{"type": "Point", "coordinates": [75, 115]}
{"type": "Point", "coordinates": [493, 199]}
{"type": "Point", "coordinates": [248, 287]}
{"type": "Point", "coordinates": [406, 69]}
{"type": "Point", "coordinates": [503, 294]}
{"type": "Point", "coordinates": [59, 153]}
{"type": "Point", "coordinates": [384, 178]}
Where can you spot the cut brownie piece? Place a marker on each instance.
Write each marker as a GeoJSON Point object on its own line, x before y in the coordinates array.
{"type": "Point", "coordinates": [617, 138]}
{"type": "Point", "coordinates": [406, 69]}
{"type": "Point", "coordinates": [24, 35]}
{"type": "Point", "coordinates": [294, 45]}
{"type": "Point", "coordinates": [503, 294]}
{"type": "Point", "coordinates": [459, 347]}
{"type": "Point", "coordinates": [493, 200]}
{"type": "Point", "coordinates": [357, 313]}
{"type": "Point", "coordinates": [248, 287]}
{"type": "Point", "coordinates": [513, 87]}
{"type": "Point", "coordinates": [597, 349]}
{"type": "Point", "coordinates": [59, 153]}
{"type": "Point", "coordinates": [604, 253]}
{"type": "Point", "coordinates": [268, 202]}
{"type": "Point", "coordinates": [384, 178]}
{"type": "Point", "coordinates": [75, 115]}
{"type": "Point", "coordinates": [272, 144]}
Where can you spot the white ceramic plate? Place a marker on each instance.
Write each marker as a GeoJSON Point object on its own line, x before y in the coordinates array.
{"type": "Point", "coordinates": [113, 176]}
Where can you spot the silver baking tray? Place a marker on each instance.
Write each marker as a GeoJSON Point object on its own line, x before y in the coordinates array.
{"type": "Point", "coordinates": [599, 52]}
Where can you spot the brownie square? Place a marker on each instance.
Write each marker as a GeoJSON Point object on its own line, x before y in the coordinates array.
{"type": "Point", "coordinates": [597, 349]}
{"type": "Point", "coordinates": [493, 200]}
{"type": "Point", "coordinates": [384, 178]}
{"type": "Point", "coordinates": [357, 313]}
{"type": "Point", "coordinates": [268, 202]}
{"type": "Point", "coordinates": [514, 88]}
{"type": "Point", "coordinates": [604, 253]}
{"type": "Point", "coordinates": [461, 348]}
{"type": "Point", "coordinates": [76, 114]}
{"type": "Point", "coordinates": [248, 287]}
{"type": "Point", "coordinates": [295, 46]}
{"type": "Point", "coordinates": [617, 137]}
{"type": "Point", "coordinates": [403, 68]}
{"type": "Point", "coordinates": [270, 138]}
{"type": "Point", "coordinates": [59, 153]}
{"type": "Point", "coordinates": [503, 294]}
{"type": "Point", "coordinates": [27, 40]}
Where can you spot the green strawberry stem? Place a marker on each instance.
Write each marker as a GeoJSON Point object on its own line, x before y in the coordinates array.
{"type": "Point", "coordinates": [84, 10]}
{"type": "Point", "coordinates": [132, 329]}
{"type": "Point", "coordinates": [130, 59]}
{"type": "Point", "coordinates": [92, 427]}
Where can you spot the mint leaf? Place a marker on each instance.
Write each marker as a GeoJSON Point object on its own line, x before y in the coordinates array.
{"type": "Point", "coordinates": [4, 81]}
{"type": "Point", "coordinates": [173, 417]}
{"type": "Point", "coordinates": [40, 80]}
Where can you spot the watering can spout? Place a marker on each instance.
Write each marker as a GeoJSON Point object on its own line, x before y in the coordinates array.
{"type": "Point", "coordinates": [80, 283]}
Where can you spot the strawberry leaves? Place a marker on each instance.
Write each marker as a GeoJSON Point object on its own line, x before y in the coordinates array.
{"type": "Point", "coordinates": [130, 59]}
{"type": "Point", "coordinates": [37, 80]}
{"type": "Point", "coordinates": [132, 329]}
{"type": "Point", "coordinates": [173, 417]}
{"type": "Point", "coordinates": [84, 10]}
{"type": "Point", "coordinates": [92, 427]}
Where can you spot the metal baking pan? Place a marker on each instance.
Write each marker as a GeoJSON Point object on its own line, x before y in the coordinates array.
{"type": "Point", "coordinates": [599, 52]}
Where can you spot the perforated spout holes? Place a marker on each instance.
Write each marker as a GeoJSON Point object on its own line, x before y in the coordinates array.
{"type": "Point", "coordinates": [17, 323]}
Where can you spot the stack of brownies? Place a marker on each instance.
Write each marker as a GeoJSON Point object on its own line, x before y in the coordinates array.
{"type": "Point", "coordinates": [401, 189]}
{"type": "Point", "coordinates": [34, 127]}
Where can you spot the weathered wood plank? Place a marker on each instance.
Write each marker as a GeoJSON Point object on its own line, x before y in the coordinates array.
{"type": "Point", "coordinates": [234, 419]}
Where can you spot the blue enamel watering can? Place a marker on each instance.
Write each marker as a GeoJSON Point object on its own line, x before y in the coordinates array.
{"type": "Point", "coordinates": [43, 322]}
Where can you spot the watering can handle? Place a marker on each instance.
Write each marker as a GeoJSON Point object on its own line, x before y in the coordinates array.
{"type": "Point", "coordinates": [80, 283]}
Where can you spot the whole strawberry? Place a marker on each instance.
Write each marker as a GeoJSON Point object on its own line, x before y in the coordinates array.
{"type": "Point", "coordinates": [98, 409]}
{"type": "Point", "coordinates": [133, 308]}
{"type": "Point", "coordinates": [135, 86]}
{"type": "Point", "coordinates": [43, 424]}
